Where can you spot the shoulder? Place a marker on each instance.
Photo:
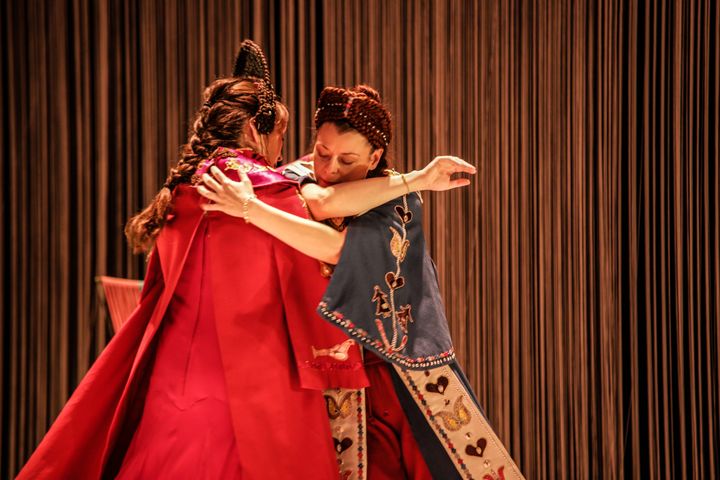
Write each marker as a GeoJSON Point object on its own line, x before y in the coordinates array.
{"type": "Point", "coordinates": [299, 171]}
{"type": "Point", "coordinates": [233, 162]}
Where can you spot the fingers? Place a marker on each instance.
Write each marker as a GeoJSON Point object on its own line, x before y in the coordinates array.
{"type": "Point", "coordinates": [464, 166]}
{"type": "Point", "coordinates": [244, 178]}
{"type": "Point", "coordinates": [455, 164]}
{"type": "Point", "coordinates": [459, 182]}
{"type": "Point", "coordinates": [219, 175]}
{"type": "Point", "coordinates": [211, 183]}
{"type": "Point", "coordinates": [207, 193]}
{"type": "Point", "coordinates": [212, 207]}
{"type": "Point", "coordinates": [460, 165]}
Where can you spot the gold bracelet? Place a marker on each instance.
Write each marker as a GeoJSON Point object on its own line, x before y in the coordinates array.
{"type": "Point", "coordinates": [246, 206]}
{"type": "Point", "coordinates": [402, 176]}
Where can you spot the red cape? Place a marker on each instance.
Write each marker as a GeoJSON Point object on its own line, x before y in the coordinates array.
{"type": "Point", "coordinates": [265, 294]}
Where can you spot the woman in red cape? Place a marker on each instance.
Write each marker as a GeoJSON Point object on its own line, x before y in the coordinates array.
{"type": "Point", "coordinates": [219, 372]}
{"type": "Point", "coordinates": [213, 375]}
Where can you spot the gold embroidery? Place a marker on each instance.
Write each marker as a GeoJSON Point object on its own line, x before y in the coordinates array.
{"type": "Point", "coordinates": [463, 431]}
{"type": "Point", "coordinates": [361, 336]}
{"type": "Point", "coordinates": [398, 247]}
{"type": "Point", "coordinates": [232, 164]}
{"type": "Point", "coordinates": [455, 420]}
{"type": "Point", "coordinates": [386, 307]}
{"type": "Point", "coordinates": [339, 409]}
{"type": "Point", "coordinates": [346, 412]}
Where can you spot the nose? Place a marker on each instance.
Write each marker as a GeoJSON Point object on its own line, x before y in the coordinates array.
{"type": "Point", "coordinates": [333, 166]}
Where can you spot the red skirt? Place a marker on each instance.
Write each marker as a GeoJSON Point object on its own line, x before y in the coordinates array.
{"type": "Point", "coordinates": [393, 453]}
{"type": "Point", "coordinates": [185, 430]}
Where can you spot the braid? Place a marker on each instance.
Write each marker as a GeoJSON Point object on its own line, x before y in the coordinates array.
{"type": "Point", "coordinates": [251, 63]}
{"type": "Point", "coordinates": [229, 104]}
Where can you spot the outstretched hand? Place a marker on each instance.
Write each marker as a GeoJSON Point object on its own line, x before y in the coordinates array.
{"type": "Point", "coordinates": [437, 175]}
{"type": "Point", "coordinates": [227, 195]}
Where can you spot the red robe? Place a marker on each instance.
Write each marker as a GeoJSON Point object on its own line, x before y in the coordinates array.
{"type": "Point", "coordinates": [263, 295]}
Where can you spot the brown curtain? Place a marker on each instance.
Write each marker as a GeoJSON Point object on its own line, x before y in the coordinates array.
{"type": "Point", "coordinates": [580, 270]}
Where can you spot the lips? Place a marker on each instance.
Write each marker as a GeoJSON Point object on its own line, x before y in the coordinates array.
{"type": "Point", "coordinates": [323, 183]}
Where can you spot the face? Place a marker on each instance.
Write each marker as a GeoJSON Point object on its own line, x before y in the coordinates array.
{"type": "Point", "coordinates": [342, 157]}
{"type": "Point", "coordinates": [274, 145]}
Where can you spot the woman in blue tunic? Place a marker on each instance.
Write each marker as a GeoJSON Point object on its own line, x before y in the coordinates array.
{"type": "Point", "coordinates": [419, 418]}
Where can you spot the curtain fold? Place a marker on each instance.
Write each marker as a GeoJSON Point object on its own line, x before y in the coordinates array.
{"type": "Point", "coordinates": [579, 270]}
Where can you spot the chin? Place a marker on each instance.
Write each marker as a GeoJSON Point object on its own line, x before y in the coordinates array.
{"type": "Point", "coordinates": [324, 183]}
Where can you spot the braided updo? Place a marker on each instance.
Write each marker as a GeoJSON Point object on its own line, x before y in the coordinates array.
{"type": "Point", "coordinates": [250, 62]}
{"type": "Point", "coordinates": [361, 109]}
{"type": "Point", "coordinates": [229, 104]}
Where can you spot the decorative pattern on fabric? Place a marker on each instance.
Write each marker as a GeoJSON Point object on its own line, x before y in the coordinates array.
{"type": "Point", "coordinates": [336, 352]}
{"type": "Point", "coordinates": [346, 411]}
{"type": "Point", "coordinates": [461, 428]}
{"type": "Point", "coordinates": [232, 163]}
{"type": "Point", "coordinates": [362, 336]}
{"type": "Point", "coordinates": [390, 305]}
{"type": "Point", "coordinates": [400, 319]}
{"type": "Point", "coordinates": [385, 302]}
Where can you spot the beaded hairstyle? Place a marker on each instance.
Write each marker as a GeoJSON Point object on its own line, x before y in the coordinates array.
{"type": "Point", "coordinates": [251, 63]}
{"type": "Point", "coordinates": [361, 107]}
{"type": "Point", "coordinates": [230, 103]}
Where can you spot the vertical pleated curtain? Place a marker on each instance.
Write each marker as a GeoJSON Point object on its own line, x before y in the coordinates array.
{"type": "Point", "coordinates": [579, 270]}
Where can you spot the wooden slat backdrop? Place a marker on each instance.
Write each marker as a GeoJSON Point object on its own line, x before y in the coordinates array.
{"type": "Point", "coordinates": [580, 270]}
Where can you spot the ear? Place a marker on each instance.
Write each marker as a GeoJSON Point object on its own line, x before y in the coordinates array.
{"type": "Point", "coordinates": [252, 132]}
{"type": "Point", "coordinates": [375, 157]}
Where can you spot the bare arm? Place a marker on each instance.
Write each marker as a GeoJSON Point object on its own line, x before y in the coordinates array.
{"type": "Point", "coordinates": [312, 238]}
{"type": "Point", "coordinates": [352, 198]}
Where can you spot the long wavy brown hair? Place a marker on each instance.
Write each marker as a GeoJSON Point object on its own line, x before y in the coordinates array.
{"type": "Point", "coordinates": [229, 104]}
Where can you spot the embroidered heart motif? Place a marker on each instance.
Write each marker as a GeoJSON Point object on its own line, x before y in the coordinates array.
{"type": "Point", "coordinates": [438, 387]}
{"type": "Point", "coordinates": [405, 216]}
{"type": "Point", "coordinates": [394, 282]}
{"type": "Point", "coordinates": [341, 446]}
{"type": "Point", "coordinates": [478, 449]}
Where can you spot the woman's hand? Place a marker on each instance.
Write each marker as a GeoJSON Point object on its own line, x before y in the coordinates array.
{"type": "Point", "coordinates": [312, 238]}
{"type": "Point", "coordinates": [437, 175]}
{"type": "Point", "coordinates": [228, 195]}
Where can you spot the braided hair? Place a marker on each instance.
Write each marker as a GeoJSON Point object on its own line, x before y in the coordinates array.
{"type": "Point", "coordinates": [229, 104]}
{"type": "Point", "coordinates": [361, 109]}
{"type": "Point", "coordinates": [251, 63]}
